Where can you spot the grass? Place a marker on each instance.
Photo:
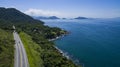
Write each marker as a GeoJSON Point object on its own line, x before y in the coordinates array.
{"type": "Point", "coordinates": [33, 50]}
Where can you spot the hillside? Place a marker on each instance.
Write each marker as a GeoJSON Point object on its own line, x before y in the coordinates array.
{"type": "Point", "coordinates": [6, 49]}
{"type": "Point", "coordinates": [34, 32]}
{"type": "Point", "coordinates": [14, 15]}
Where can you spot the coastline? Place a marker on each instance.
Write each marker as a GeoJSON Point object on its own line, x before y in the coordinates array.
{"type": "Point", "coordinates": [59, 50]}
{"type": "Point", "coordinates": [58, 37]}
{"type": "Point", "coordinates": [65, 54]}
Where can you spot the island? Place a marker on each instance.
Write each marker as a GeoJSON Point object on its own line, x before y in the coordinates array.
{"type": "Point", "coordinates": [80, 18]}
{"type": "Point", "coordinates": [43, 17]}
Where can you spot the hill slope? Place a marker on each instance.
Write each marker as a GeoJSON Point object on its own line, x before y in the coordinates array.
{"type": "Point", "coordinates": [14, 15]}
{"type": "Point", "coordinates": [6, 49]}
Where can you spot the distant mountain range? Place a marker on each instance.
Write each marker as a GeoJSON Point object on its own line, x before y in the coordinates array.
{"type": "Point", "coordinates": [42, 17]}
{"type": "Point", "coordinates": [55, 17]}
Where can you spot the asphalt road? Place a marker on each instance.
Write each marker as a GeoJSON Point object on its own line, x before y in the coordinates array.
{"type": "Point", "coordinates": [21, 59]}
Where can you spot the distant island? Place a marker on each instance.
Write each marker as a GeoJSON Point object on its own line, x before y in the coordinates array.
{"type": "Point", "coordinates": [43, 17]}
{"type": "Point", "coordinates": [55, 17]}
{"type": "Point", "coordinates": [80, 18]}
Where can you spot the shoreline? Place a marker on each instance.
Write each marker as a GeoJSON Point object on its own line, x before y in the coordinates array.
{"type": "Point", "coordinates": [69, 57]}
{"type": "Point", "coordinates": [59, 50]}
{"type": "Point", "coordinates": [65, 54]}
{"type": "Point", "coordinates": [62, 52]}
{"type": "Point", "coordinates": [58, 37]}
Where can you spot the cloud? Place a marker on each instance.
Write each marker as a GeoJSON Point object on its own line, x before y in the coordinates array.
{"type": "Point", "coordinates": [39, 12]}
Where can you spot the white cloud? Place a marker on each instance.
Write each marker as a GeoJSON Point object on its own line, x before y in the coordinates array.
{"type": "Point", "coordinates": [39, 12]}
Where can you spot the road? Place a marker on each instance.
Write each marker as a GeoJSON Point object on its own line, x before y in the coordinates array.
{"type": "Point", "coordinates": [21, 59]}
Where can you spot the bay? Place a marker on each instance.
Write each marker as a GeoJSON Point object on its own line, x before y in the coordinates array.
{"type": "Point", "coordinates": [92, 42]}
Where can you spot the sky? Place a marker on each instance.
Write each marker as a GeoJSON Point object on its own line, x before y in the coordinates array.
{"type": "Point", "coordinates": [66, 8]}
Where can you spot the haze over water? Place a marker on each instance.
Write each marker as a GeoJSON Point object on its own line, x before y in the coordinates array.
{"type": "Point", "coordinates": [94, 42]}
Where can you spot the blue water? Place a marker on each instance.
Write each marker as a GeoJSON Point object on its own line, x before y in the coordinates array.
{"type": "Point", "coordinates": [94, 42]}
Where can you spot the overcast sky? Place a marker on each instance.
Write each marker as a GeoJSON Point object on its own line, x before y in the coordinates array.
{"type": "Point", "coordinates": [66, 8]}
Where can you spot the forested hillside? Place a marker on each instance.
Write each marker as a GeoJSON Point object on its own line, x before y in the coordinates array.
{"type": "Point", "coordinates": [6, 49]}
{"type": "Point", "coordinates": [37, 34]}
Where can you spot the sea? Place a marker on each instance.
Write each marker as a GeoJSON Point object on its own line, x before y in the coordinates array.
{"type": "Point", "coordinates": [90, 42]}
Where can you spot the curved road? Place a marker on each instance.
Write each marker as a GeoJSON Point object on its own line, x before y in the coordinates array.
{"type": "Point", "coordinates": [21, 59]}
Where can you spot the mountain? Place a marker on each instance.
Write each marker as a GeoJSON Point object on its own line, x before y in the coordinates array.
{"type": "Point", "coordinates": [53, 17]}
{"type": "Point", "coordinates": [42, 17]}
{"type": "Point", "coordinates": [64, 18]}
{"type": "Point", "coordinates": [80, 18]}
{"type": "Point", "coordinates": [15, 15]}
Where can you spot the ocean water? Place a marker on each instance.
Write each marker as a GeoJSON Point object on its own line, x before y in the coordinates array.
{"type": "Point", "coordinates": [92, 42]}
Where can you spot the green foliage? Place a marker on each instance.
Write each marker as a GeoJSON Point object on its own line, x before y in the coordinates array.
{"type": "Point", "coordinates": [6, 49]}
{"type": "Point", "coordinates": [50, 56]}
{"type": "Point", "coordinates": [33, 51]}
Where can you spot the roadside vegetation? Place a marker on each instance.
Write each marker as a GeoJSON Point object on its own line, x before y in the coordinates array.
{"type": "Point", "coordinates": [33, 50]}
{"type": "Point", "coordinates": [6, 49]}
